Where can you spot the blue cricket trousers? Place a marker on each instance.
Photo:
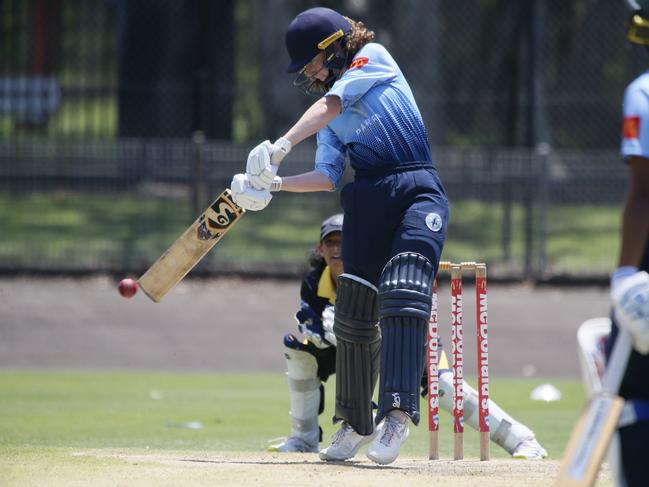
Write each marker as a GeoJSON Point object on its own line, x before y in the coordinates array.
{"type": "Point", "coordinates": [387, 212]}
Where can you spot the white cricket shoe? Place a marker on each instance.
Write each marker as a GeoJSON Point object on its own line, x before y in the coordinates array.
{"type": "Point", "coordinates": [529, 450]}
{"type": "Point", "coordinates": [293, 444]}
{"type": "Point", "coordinates": [393, 431]}
{"type": "Point", "coordinates": [345, 443]}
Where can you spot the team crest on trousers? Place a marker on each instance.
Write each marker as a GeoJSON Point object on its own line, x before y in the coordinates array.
{"type": "Point", "coordinates": [434, 222]}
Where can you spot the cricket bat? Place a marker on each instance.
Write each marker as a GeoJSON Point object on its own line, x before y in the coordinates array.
{"type": "Point", "coordinates": [190, 247]}
{"type": "Point", "coordinates": [598, 422]}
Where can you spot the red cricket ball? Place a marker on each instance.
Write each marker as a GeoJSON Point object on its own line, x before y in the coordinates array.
{"type": "Point", "coordinates": [127, 287]}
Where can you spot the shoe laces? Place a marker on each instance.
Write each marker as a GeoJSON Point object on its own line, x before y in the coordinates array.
{"type": "Point", "coordinates": [340, 434]}
{"type": "Point", "coordinates": [392, 426]}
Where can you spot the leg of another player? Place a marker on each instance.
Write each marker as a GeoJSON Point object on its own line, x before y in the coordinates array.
{"type": "Point", "coordinates": [513, 436]}
{"type": "Point", "coordinates": [304, 391]}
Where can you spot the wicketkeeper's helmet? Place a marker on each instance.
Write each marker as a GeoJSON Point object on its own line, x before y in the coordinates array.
{"type": "Point", "coordinates": [311, 32]}
{"type": "Point", "coordinates": [639, 24]}
{"type": "Point", "coordinates": [332, 224]}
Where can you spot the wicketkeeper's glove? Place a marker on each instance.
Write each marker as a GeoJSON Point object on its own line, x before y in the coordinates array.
{"type": "Point", "coordinates": [310, 325]}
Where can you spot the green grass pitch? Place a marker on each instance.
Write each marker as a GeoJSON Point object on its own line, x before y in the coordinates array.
{"type": "Point", "coordinates": [48, 417]}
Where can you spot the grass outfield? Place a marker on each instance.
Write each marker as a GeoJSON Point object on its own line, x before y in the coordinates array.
{"type": "Point", "coordinates": [67, 428]}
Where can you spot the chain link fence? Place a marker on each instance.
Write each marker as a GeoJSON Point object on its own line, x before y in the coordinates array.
{"type": "Point", "coordinates": [114, 206]}
{"type": "Point", "coordinates": [496, 73]}
{"type": "Point", "coordinates": [121, 119]}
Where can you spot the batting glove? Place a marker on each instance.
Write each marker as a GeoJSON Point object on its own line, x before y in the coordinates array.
{"type": "Point", "coordinates": [630, 293]}
{"type": "Point", "coordinates": [263, 162]}
{"type": "Point", "coordinates": [248, 197]}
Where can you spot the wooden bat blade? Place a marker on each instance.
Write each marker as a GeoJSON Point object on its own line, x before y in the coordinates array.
{"type": "Point", "coordinates": [589, 441]}
{"type": "Point", "coordinates": [191, 247]}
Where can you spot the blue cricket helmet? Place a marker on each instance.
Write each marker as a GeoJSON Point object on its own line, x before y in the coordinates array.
{"type": "Point", "coordinates": [311, 32]}
{"type": "Point", "coordinates": [639, 24]}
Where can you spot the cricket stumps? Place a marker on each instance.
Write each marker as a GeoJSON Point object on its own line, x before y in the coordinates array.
{"type": "Point", "coordinates": [457, 353]}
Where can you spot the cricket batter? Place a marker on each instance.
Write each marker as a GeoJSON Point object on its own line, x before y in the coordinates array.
{"type": "Point", "coordinates": [396, 217]}
{"type": "Point", "coordinates": [630, 282]}
{"type": "Point", "coordinates": [311, 361]}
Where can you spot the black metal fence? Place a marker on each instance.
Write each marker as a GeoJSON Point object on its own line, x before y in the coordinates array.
{"type": "Point", "coordinates": [116, 205]}
{"type": "Point", "coordinates": [101, 101]}
{"type": "Point", "coordinates": [485, 74]}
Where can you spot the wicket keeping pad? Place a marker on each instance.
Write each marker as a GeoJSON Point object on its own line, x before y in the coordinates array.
{"type": "Point", "coordinates": [190, 247]}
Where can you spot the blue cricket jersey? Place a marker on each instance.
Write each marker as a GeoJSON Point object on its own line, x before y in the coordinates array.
{"type": "Point", "coordinates": [380, 124]}
{"type": "Point", "coordinates": [635, 142]}
{"type": "Point", "coordinates": [635, 130]}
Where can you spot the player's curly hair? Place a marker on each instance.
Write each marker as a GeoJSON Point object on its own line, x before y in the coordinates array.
{"type": "Point", "coordinates": [357, 38]}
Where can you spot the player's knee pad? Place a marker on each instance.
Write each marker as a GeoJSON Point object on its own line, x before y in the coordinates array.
{"type": "Point", "coordinates": [405, 290]}
{"type": "Point", "coordinates": [447, 397]}
{"type": "Point", "coordinates": [446, 389]}
{"type": "Point", "coordinates": [357, 351]}
{"type": "Point", "coordinates": [300, 364]}
{"type": "Point", "coordinates": [305, 389]}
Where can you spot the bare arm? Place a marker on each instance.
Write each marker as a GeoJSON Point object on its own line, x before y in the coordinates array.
{"type": "Point", "coordinates": [307, 182]}
{"type": "Point", "coordinates": [316, 117]}
{"type": "Point", "coordinates": [635, 224]}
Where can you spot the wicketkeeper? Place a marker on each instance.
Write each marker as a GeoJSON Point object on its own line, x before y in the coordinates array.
{"type": "Point", "coordinates": [310, 361]}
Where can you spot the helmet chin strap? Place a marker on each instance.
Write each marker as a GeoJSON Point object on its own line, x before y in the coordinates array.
{"type": "Point", "coordinates": [638, 32]}
{"type": "Point", "coordinates": [336, 61]}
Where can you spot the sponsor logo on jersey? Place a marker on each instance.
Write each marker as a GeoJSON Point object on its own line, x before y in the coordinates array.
{"type": "Point", "coordinates": [631, 127]}
{"type": "Point", "coordinates": [359, 62]}
{"type": "Point", "coordinates": [434, 222]}
{"type": "Point", "coordinates": [368, 123]}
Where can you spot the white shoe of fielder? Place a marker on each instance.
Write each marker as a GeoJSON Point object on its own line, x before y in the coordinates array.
{"type": "Point", "coordinates": [293, 444]}
{"type": "Point", "coordinates": [529, 450]}
{"type": "Point", "coordinates": [392, 432]}
{"type": "Point", "coordinates": [344, 444]}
